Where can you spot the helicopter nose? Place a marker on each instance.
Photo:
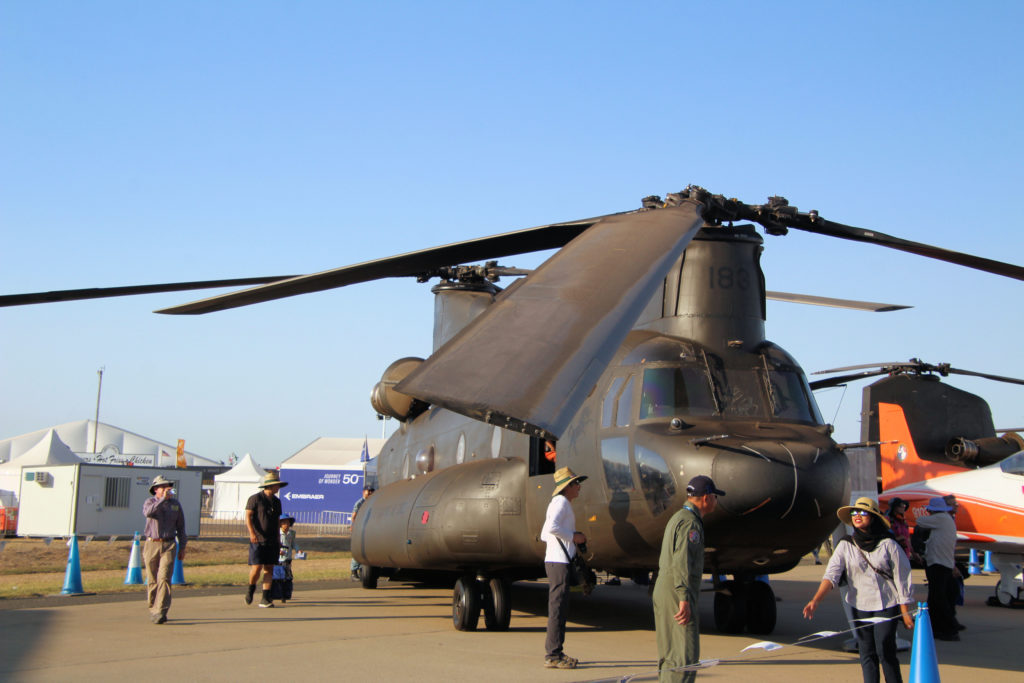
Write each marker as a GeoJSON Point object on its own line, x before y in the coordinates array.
{"type": "Point", "coordinates": [780, 479]}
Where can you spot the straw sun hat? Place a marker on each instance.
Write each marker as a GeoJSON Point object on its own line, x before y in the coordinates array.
{"type": "Point", "coordinates": [864, 503]}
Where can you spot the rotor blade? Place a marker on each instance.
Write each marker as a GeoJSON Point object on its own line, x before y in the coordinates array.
{"type": "Point", "coordinates": [836, 303]}
{"type": "Point", "coordinates": [997, 378]}
{"type": "Point", "coordinates": [777, 215]}
{"type": "Point", "coordinates": [105, 292]}
{"type": "Point", "coordinates": [409, 264]}
{"type": "Point", "coordinates": [843, 379]}
{"type": "Point", "coordinates": [847, 232]}
{"type": "Point", "coordinates": [864, 366]}
{"type": "Point", "coordinates": [530, 360]}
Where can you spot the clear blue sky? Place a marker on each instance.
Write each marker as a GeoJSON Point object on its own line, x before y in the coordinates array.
{"type": "Point", "coordinates": [154, 142]}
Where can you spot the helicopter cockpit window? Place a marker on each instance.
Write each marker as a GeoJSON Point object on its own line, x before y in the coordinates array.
{"type": "Point", "coordinates": [791, 397]}
{"type": "Point", "coordinates": [615, 457]}
{"type": "Point", "coordinates": [608, 409]}
{"type": "Point", "coordinates": [655, 479]}
{"type": "Point", "coordinates": [1014, 464]}
{"type": "Point", "coordinates": [741, 393]}
{"type": "Point", "coordinates": [676, 392]}
{"type": "Point", "coordinates": [625, 406]}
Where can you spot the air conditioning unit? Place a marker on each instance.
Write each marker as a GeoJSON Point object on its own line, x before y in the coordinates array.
{"type": "Point", "coordinates": [41, 478]}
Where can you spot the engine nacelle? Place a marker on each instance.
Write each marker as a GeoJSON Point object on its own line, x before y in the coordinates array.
{"type": "Point", "coordinates": [386, 401]}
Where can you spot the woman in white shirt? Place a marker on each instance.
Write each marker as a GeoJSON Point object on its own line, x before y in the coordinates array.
{"type": "Point", "coordinates": [878, 573]}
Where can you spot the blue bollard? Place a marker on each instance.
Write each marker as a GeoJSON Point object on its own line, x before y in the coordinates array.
{"type": "Point", "coordinates": [990, 566]}
{"type": "Point", "coordinates": [178, 577]}
{"type": "Point", "coordinates": [924, 664]}
{"type": "Point", "coordinates": [134, 575]}
{"type": "Point", "coordinates": [974, 566]}
{"type": "Point", "coordinates": [73, 574]}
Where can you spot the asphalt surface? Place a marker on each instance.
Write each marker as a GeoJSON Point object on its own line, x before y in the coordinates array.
{"type": "Point", "coordinates": [332, 631]}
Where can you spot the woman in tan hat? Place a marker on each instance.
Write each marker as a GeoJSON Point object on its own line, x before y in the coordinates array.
{"type": "Point", "coordinates": [878, 573]}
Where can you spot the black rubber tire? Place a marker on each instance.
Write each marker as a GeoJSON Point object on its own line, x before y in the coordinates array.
{"type": "Point", "coordinates": [466, 604]}
{"type": "Point", "coordinates": [369, 575]}
{"type": "Point", "coordinates": [497, 598]}
{"type": "Point", "coordinates": [731, 608]}
{"type": "Point", "coordinates": [761, 608]}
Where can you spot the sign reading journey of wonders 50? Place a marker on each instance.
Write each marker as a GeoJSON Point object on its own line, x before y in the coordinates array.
{"type": "Point", "coordinates": [320, 490]}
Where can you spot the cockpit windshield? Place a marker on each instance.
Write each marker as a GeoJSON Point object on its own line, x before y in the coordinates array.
{"type": "Point", "coordinates": [702, 385]}
{"type": "Point", "coordinates": [1013, 464]}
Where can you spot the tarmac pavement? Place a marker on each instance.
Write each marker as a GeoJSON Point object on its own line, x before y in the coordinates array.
{"type": "Point", "coordinates": [404, 632]}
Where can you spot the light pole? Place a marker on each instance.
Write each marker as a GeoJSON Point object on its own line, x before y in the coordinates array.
{"type": "Point", "coordinates": [96, 427]}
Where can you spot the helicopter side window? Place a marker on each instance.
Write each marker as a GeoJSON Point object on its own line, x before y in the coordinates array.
{"type": "Point", "coordinates": [655, 480]}
{"type": "Point", "coordinates": [625, 406]}
{"type": "Point", "coordinates": [672, 391]}
{"type": "Point", "coordinates": [615, 458]}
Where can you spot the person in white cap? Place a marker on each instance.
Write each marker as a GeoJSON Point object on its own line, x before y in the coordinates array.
{"type": "Point", "coordinates": [559, 532]}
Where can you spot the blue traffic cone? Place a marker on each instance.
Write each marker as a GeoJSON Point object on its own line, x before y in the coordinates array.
{"type": "Point", "coordinates": [134, 575]}
{"type": "Point", "coordinates": [990, 566]}
{"type": "Point", "coordinates": [924, 665]}
{"type": "Point", "coordinates": [178, 577]}
{"type": "Point", "coordinates": [974, 566]}
{"type": "Point", "coordinates": [73, 575]}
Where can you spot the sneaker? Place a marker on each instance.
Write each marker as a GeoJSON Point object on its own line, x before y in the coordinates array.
{"type": "Point", "coordinates": [248, 594]}
{"type": "Point", "coordinates": [158, 618]}
{"type": "Point", "coordinates": [266, 603]}
{"type": "Point", "coordinates": [560, 662]}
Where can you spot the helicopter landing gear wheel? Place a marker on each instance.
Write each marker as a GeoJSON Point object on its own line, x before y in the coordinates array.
{"type": "Point", "coordinates": [497, 604]}
{"type": "Point", "coordinates": [731, 607]}
{"type": "Point", "coordinates": [368, 576]}
{"type": "Point", "coordinates": [466, 604]}
{"type": "Point", "coordinates": [761, 608]}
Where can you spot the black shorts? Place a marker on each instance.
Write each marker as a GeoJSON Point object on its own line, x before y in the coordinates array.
{"type": "Point", "coordinates": [264, 553]}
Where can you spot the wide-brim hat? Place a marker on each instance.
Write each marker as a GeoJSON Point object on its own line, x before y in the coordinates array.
{"type": "Point", "coordinates": [864, 503]}
{"type": "Point", "coordinates": [286, 518]}
{"type": "Point", "coordinates": [563, 477]}
{"type": "Point", "coordinates": [158, 481]}
{"type": "Point", "coordinates": [272, 479]}
{"type": "Point", "coordinates": [938, 504]}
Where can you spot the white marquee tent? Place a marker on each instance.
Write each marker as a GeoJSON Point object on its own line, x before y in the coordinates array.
{"type": "Point", "coordinates": [232, 488]}
{"type": "Point", "coordinates": [104, 444]}
{"type": "Point", "coordinates": [47, 450]}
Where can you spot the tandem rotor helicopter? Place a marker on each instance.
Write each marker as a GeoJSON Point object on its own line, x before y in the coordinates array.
{"type": "Point", "coordinates": [636, 352]}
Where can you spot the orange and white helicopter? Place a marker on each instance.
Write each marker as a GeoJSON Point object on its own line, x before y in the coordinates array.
{"type": "Point", "coordinates": [990, 499]}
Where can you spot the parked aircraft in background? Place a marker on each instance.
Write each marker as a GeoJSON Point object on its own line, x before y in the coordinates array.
{"type": "Point", "coordinates": [990, 499]}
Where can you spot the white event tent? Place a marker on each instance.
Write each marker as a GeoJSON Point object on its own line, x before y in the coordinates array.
{"type": "Point", "coordinates": [101, 443]}
{"type": "Point", "coordinates": [232, 489]}
{"type": "Point", "coordinates": [47, 450]}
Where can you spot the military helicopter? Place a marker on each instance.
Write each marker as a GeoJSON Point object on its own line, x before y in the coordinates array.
{"type": "Point", "coordinates": [637, 354]}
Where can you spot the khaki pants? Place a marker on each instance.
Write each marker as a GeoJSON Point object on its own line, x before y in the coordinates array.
{"type": "Point", "coordinates": [158, 557]}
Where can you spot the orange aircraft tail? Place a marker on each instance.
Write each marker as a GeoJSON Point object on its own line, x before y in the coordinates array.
{"type": "Point", "coordinates": [900, 463]}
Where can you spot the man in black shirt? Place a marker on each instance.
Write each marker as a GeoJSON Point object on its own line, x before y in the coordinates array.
{"type": "Point", "coordinates": [262, 517]}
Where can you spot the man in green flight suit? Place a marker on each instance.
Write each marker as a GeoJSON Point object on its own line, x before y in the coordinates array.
{"type": "Point", "coordinates": [680, 570]}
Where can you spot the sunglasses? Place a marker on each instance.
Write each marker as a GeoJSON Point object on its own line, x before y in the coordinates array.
{"type": "Point", "coordinates": [859, 513]}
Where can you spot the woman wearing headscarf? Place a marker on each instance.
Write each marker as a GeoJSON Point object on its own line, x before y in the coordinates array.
{"type": "Point", "coordinates": [878, 574]}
